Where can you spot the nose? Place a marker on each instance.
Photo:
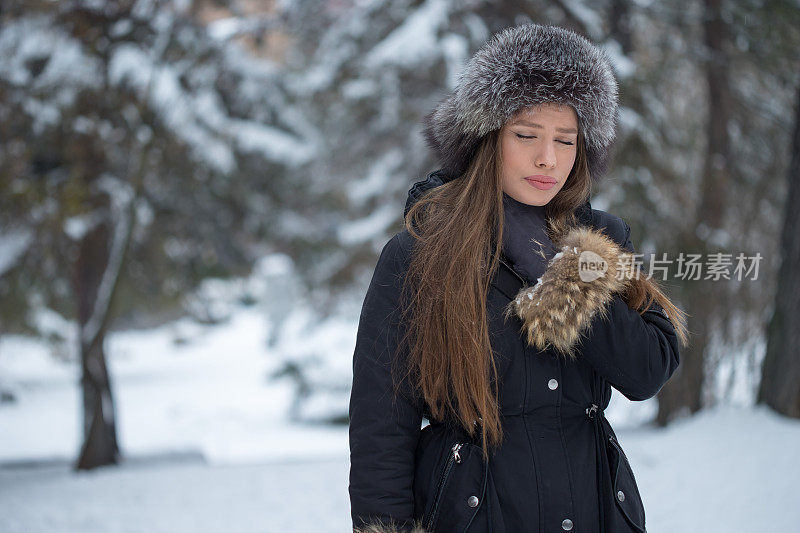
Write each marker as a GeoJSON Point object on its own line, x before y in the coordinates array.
{"type": "Point", "coordinates": [546, 156]}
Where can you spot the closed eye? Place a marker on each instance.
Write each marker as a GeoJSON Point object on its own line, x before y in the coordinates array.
{"type": "Point", "coordinates": [520, 136]}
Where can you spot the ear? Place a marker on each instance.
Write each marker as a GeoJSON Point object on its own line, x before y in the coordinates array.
{"type": "Point", "coordinates": [578, 283]}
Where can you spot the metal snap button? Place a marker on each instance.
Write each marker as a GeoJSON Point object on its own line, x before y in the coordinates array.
{"type": "Point", "coordinates": [566, 525]}
{"type": "Point", "coordinates": [553, 384]}
{"type": "Point", "coordinates": [472, 501]}
{"type": "Point", "coordinates": [621, 496]}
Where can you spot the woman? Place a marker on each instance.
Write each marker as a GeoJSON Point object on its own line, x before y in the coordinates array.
{"type": "Point", "coordinates": [505, 312]}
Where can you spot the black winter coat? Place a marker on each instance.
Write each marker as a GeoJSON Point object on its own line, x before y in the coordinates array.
{"type": "Point", "coordinates": [544, 477]}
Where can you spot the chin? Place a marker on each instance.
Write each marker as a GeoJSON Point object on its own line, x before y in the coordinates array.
{"type": "Point", "coordinates": [534, 199]}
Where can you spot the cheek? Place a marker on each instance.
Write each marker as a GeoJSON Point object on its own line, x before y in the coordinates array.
{"type": "Point", "coordinates": [510, 159]}
{"type": "Point", "coordinates": [570, 155]}
{"type": "Point", "coordinates": [569, 162]}
{"type": "Point", "coordinates": [515, 158]}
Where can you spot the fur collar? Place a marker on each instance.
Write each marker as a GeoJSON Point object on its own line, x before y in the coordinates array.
{"type": "Point", "coordinates": [379, 527]}
{"type": "Point", "coordinates": [579, 280]}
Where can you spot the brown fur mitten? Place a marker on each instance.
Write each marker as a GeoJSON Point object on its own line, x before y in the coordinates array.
{"type": "Point", "coordinates": [379, 527]}
{"type": "Point", "coordinates": [579, 280]}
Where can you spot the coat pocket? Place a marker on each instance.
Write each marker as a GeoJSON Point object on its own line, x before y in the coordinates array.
{"type": "Point", "coordinates": [627, 500]}
{"type": "Point", "coordinates": [459, 491]}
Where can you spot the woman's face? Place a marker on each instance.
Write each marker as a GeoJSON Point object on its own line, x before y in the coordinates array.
{"type": "Point", "coordinates": [538, 147]}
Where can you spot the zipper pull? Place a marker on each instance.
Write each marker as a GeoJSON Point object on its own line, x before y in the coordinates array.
{"type": "Point", "coordinates": [591, 410]}
{"type": "Point", "coordinates": [456, 455]}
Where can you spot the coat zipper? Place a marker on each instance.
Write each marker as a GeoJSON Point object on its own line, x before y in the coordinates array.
{"type": "Point", "coordinates": [618, 446]}
{"type": "Point", "coordinates": [455, 457]}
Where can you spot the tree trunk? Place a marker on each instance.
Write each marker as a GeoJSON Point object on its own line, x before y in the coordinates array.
{"type": "Point", "coordinates": [99, 428]}
{"type": "Point", "coordinates": [780, 371]}
{"type": "Point", "coordinates": [620, 21]}
{"type": "Point", "coordinates": [683, 394]}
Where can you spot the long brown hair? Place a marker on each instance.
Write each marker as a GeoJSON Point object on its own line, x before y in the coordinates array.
{"type": "Point", "coordinates": [458, 231]}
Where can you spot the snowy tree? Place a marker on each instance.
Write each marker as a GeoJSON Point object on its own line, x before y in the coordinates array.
{"type": "Point", "coordinates": [141, 155]}
{"type": "Point", "coordinates": [148, 145]}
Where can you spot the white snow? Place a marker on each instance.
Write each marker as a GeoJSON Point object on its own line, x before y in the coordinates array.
{"type": "Point", "coordinates": [374, 182]}
{"type": "Point", "coordinates": [181, 387]}
{"type": "Point", "coordinates": [76, 227]}
{"type": "Point", "coordinates": [225, 28]}
{"type": "Point", "coordinates": [159, 84]}
{"type": "Point", "coordinates": [208, 444]}
{"type": "Point", "coordinates": [66, 66]}
{"type": "Point", "coordinates": [65, 70]}
{"type": "Point", "coordinates": [456, 52]}
{"type": "Point", "coordinates": [413, 42]}
{"type": "Point", "coordinates": [729, 469]}
{"type": "Point", "coordinates": [368, 227]}
{"type": "Point", "coordinates": [13, 245]}
{"type": "Point", "coordinates": [476, 27]}
{"type": "Point", "coordinates": [274, 144]}
{"type": "Point", "coordinates": [590, 19]}
{"type": "Point", "coordinates": [200, 118]}
{"type": "Point", "coordinates": [178, 497]}
{"type": "Point", "coordinates": [624, 66]}
{"type": "Point", "coordinates": [359, 88]}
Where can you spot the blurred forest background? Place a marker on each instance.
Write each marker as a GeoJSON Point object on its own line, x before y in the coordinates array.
{"type": "Point", "coordinates": [150, 150]}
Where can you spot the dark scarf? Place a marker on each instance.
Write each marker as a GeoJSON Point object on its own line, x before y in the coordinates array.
{"type": "Point", "coordinates": [522, 224]}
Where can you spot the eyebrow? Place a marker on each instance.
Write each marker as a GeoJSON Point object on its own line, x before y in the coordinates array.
{"type": "Point", "coordinates": [534, 125]}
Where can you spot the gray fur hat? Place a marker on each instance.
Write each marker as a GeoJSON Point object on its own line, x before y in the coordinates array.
{"type": "Point", "coordinates": [519, 67]}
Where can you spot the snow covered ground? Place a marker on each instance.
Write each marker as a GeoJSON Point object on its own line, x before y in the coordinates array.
{"type": "Point", "coordinates": [209, 445]}
{"type": "Point", "coordinates": [179, 497]}
{"type": "Point", "coordinates": [210, 394]}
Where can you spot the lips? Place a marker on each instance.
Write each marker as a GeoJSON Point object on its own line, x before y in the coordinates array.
{"type": "Point", "coordinates": [541, 181]}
